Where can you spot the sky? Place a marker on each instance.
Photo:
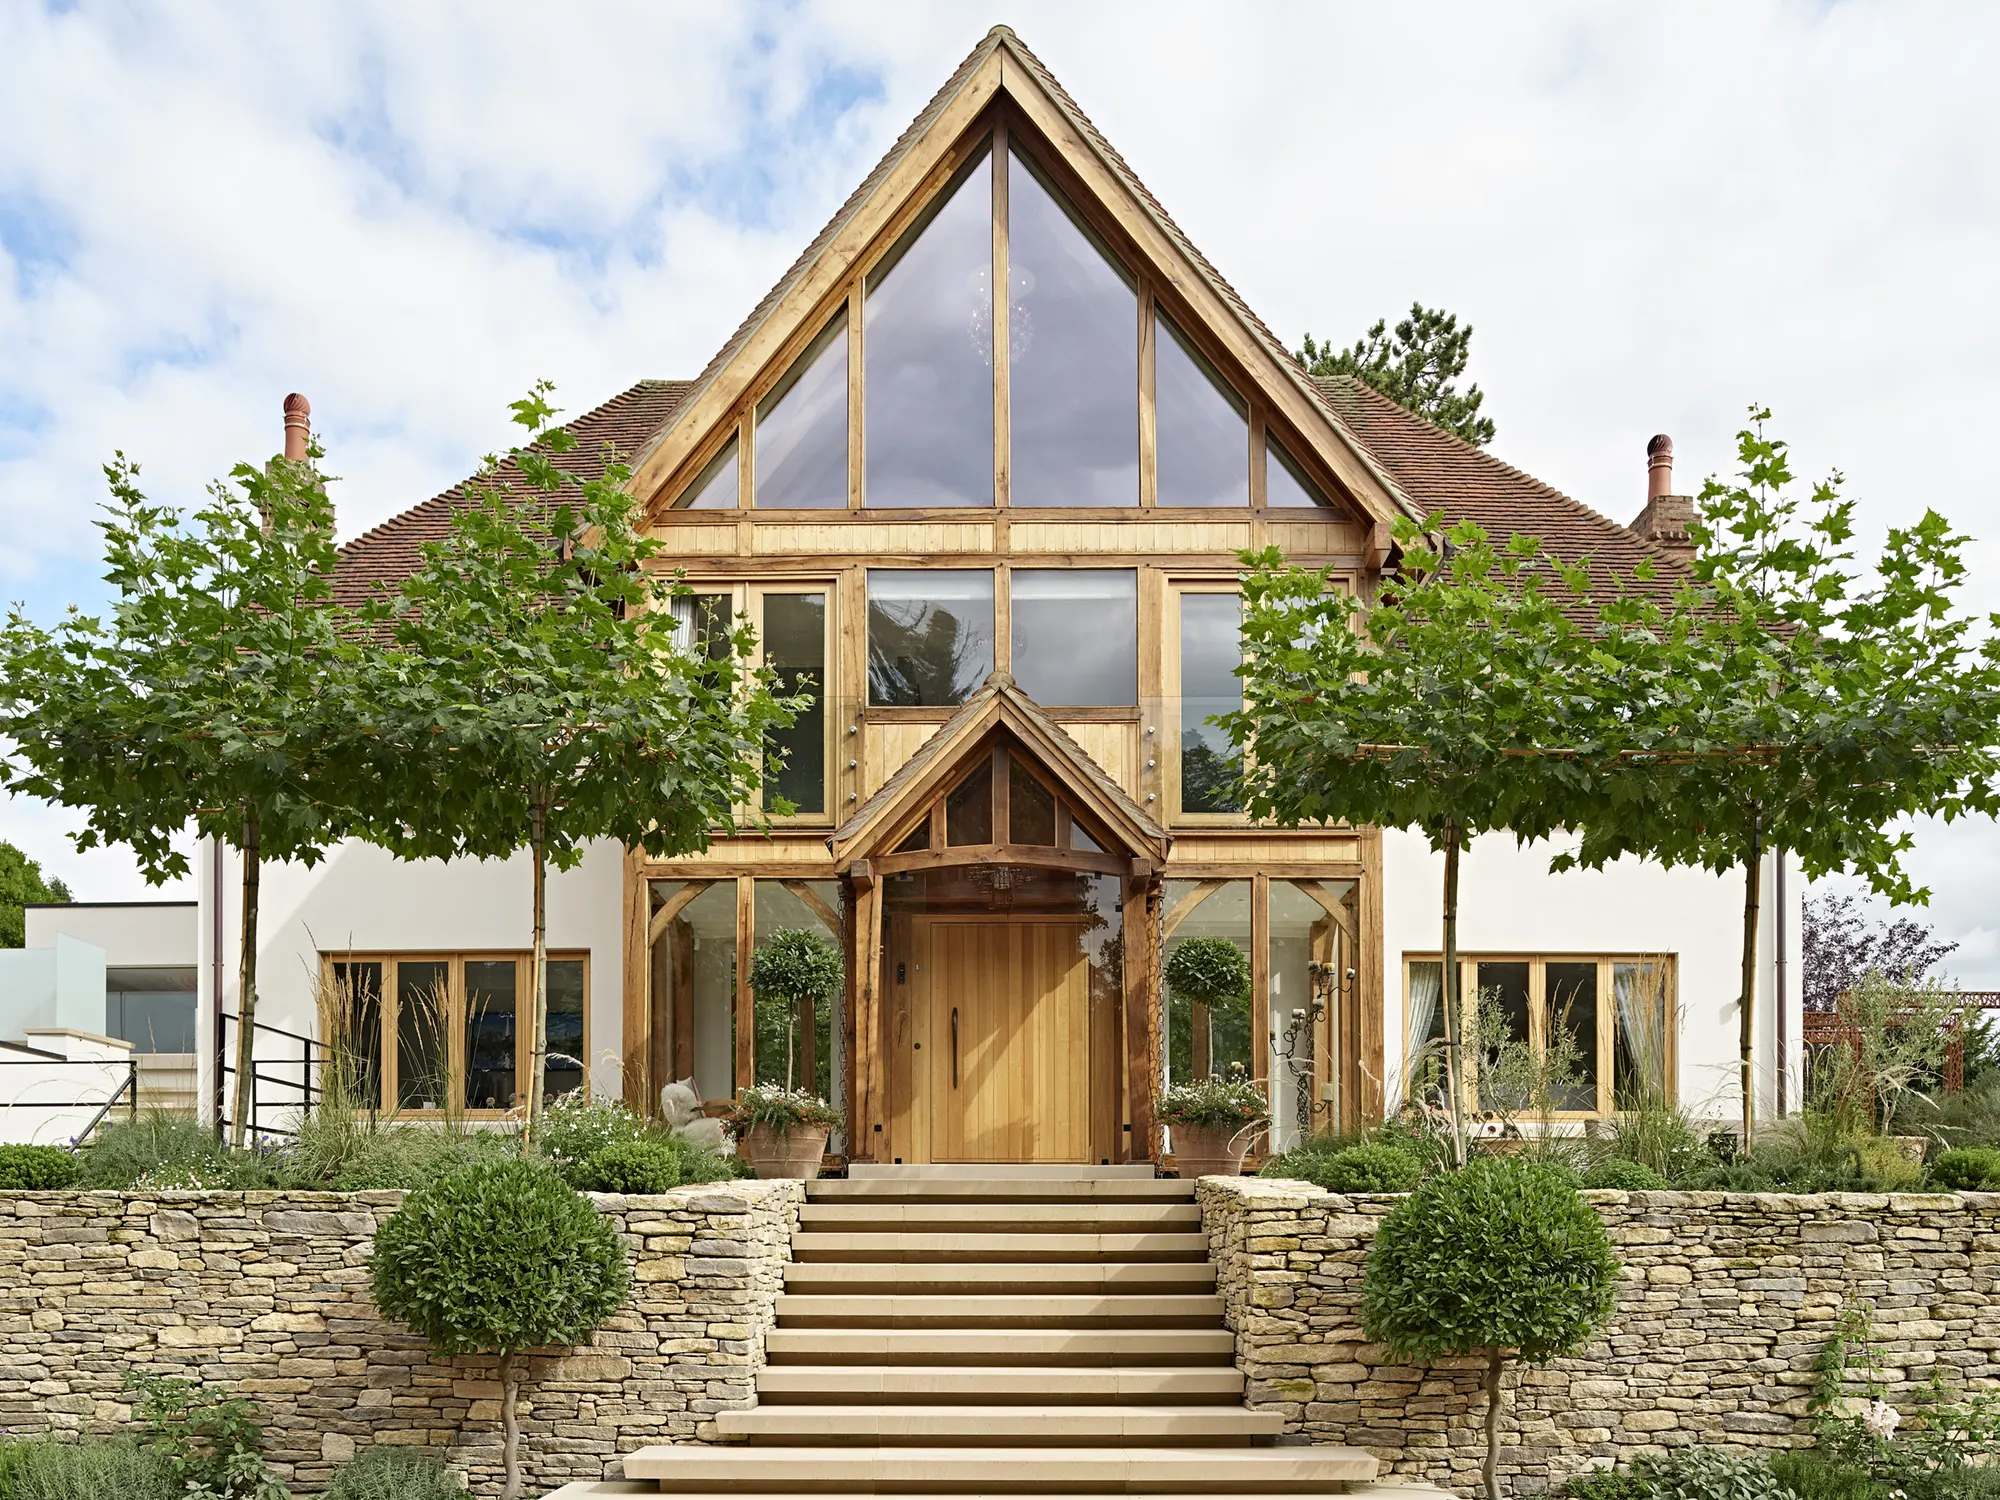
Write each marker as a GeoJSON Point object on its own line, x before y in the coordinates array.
{"type": "Point", "coordinates": [1652, 216]}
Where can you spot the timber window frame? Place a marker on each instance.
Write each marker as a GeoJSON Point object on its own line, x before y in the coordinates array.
{"type": "Point", "coordinates": [384, 1063]}
{"type": "Point", "coordinates": [991, 146]}
{"type": "Point", "coordinates": [1610, 1030]}
{"type": "Point", "coordinates": [1172, 684]}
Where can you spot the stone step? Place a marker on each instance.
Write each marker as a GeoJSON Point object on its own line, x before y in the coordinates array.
{"type": "Point", "coordinates": [999, 1190]}
{"type": "Point", "coordinates": [1000, 1346]}
{"type": "Point", "coordinates": [1274, 1470]}
{"type": "Point", "coordinates": [1001, 1218]}
{"type": "Point", "coordinates": [1033, 1311]}
{"type": "Point", "coordinates": [965, 1423]}
{"type": "Point", "coordinates": [812, 1245]}
{"type": "Point", "coordinates": [1013, 1276]}
{"type": "Point", "coordinates": [932, 1384]}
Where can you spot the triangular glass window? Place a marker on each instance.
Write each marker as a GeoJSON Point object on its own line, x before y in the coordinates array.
{"type": "Point", "coordinates": [801, 445]}
{"type": "Point", "coordinates": [928, 339]}
{"type": "Point", "coordinates": [1031, 807]}
{"type": "Point", "coordinates": [1073, 357]}
{"type": "Point", "coordinates": [715, 488]}
{"type": "Point", "coordinates": [968, 809]}
{"type": "Point", "coordinates": [1079, 838]}
{"type": "Point", "coordinates": [1203, 430]}
{"type": "Point", "coordinates": [916, 839]}
{"type": "Point", "coordinates": [1285, 484]}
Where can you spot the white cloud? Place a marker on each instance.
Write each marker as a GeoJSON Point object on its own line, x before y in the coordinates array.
{"type": "Point", "coordinates": [1652, 217]}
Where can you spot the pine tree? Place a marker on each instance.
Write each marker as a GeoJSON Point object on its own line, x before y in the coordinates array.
{"type": "Point", "coordinates": [1415, 367]}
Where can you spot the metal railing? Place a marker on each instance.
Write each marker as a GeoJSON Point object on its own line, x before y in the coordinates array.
{"type": "Point", "coordinates": [298, 1089]}
{"type": "Point", "coordinates": [101, 1104]}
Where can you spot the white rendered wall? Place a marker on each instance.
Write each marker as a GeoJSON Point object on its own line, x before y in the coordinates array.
{"type": "Point", "coordinates": [361, 899]}
{"type": "Point", "coordinates": [1509, 903]}
{"type": "Point", "coordinates": [137, 934]}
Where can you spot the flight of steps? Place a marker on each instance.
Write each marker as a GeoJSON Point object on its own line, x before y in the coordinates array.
{"type": "Point", "coordinates": [959, 1331]}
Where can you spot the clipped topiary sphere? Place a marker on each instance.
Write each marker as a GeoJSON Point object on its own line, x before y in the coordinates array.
{"type": "Point", "coordinates": [1209, 971]}
{"type": "Point", "coordinates": [498, 1257]}
{"type": "Point", "coordinates": [633, 1167]}
{"type": "Point", "coordinates": [1501, 1255]}
{"type": "Point", "coordinates": [1368, 1169]}
{"type": "Point", "coordinates": [1625, 1176]}
{"type": "Point", "coordinates": [1972, 1169]}
{"type": "Point", "coordinates": [37, 1168]}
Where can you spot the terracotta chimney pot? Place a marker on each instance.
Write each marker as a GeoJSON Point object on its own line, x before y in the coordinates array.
{"type": "Point", "coordinates": [1665, 520]}
{"type": "Point", "coordinates": [298, 427]}
{"type": "Point", "coordinates": [1659, 467]}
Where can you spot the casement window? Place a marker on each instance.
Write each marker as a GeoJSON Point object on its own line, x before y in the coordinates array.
{"type": "Point", "coordinates": [1205, 649]}
{"type": "Point", "coordinates": [930, 635]}
{"type": "Point", "coordinates": [1076, 635]}
{"type": "Point", "coordinates": [451, 1033]}
{"type": "Point", "coordinates": [1618, 1013]}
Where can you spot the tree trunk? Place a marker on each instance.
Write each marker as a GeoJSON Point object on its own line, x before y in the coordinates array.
{"type": "Point", "coordinates": [1449, 994]}
{"type": "Point", "coordinates": [539, 1048]}
{"type": "Point", "coordinates": [246, 988]}
{"type": "Point", "coordinates": [1753, 874]}
{"type": "Point", "coordinates": [1496, 1361]}
{"type": "Point", "coordinates": [510, 1427]}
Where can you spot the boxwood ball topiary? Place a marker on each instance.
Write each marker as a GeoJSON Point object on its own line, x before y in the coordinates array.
{"type": "Point", "coordinates": [1209, 971]}
{"type": "Point", "coordinates": [497, 1258]}
{"type": "Point", "coordinates": [37, 1168]}
{"type": "Point", "coordinates": [1370, 1168]}
{"type": "Point", "coordinates": [634, 1167]}
{"type": "Point", "coordinates": [1501, 1256]}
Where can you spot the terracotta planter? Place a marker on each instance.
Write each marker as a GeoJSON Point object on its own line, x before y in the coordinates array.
{"type": "Point", "coordinates": [1210, 1150]}
{"type": "Point", "coordinates": [783, 1153]}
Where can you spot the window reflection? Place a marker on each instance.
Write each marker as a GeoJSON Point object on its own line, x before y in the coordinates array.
{"type": "Point", "coordinates": [492, 1012]}
{"type": "Point", "coordinates": [1203, 431]}
{"type": "Point", "coordinates": [715, 489]}
{"type": "Point", "coordinates": [928, 348]}
{"type": "Point", "coordinates": [1031, 807]}
{"type": "Point", "coordinates": [968, 809]}
{"type": "Point", "coordinates": [1284, 482]}
{"type": "Point", "coordinates": [802, 429]}
{"type": "Point", "coordinates": [1073, 358]}
{"type": "Point", "coordinates": [930, 635]}
{"type": "Point", "coordinates": [1076, 636]}
{"type": "Point", "coordinates": [1211, 650]}
{"type": "Point", "coordinates": [795, 649]}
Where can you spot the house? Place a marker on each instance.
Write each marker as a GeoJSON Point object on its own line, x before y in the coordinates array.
{"type": "Point", "coordinates": [978, 469]}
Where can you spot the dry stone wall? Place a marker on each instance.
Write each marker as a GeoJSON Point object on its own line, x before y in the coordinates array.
{"type": "Point", "coordinates": [266, 1294]}
{"type": "Point", "coordinates": [1725, 1301]}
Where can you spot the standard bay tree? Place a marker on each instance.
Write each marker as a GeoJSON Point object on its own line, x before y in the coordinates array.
{"type": "Point", "coordinates": [543, 696]}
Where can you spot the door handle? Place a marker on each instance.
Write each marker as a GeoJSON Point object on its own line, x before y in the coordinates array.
{"type": "Point", "coordinates": [954, 1046]}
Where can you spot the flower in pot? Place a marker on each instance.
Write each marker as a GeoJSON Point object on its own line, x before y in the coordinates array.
{"type": "Point", "coordinates": [1212, 1122]}
{"type": "Point", "coordinates": [781, 1132]}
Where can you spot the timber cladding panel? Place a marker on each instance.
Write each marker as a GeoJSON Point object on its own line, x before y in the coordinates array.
{"type": "Point", "coordinates": [266, 1295]}
{"type": "Point", "coordinates": [1725, 1302]}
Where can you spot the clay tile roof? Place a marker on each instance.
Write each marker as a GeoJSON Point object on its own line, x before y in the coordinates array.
{"type": "Point", "coordinates": [1449, 479]}
{"type": "Point", "coordinates": [386, 554]}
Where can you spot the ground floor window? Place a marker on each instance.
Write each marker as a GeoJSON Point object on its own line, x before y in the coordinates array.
{"type": "Point", "coordinates": [152, 1008]}
{"type": "Point", "coordinates": [451, 1033]}
{"type": "Point", "coordinates": [1583, 1035]}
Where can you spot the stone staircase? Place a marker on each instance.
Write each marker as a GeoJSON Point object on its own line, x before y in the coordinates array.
{"type": "Point", "coordinates": [955, 1331]}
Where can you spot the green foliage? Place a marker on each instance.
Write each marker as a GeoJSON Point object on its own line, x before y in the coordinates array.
{"type": "Point", "coordinates": [404, 1156]}
{"type": "Point", "coordinates": [21, 883]}
{"type": "Point", "coordinates": [1213, 1103]}
{"type": "Point", "coordinates": [1209, 971]}
{"type": "Point", "coordinates": [543, 696]}
{"type": "Point", "coordinates": [1659, 1135]}
{"type": "Point", "coordinates": [1366, 1169]}
{"type": "Point", "coordinates": [1625, 1176]}
{"type": "Point", "coordinates": [124, 1151]}
{"type": "Point", "coordinates": [781, 1109]}
{"type": "Point", "coordinates": [1415, 368]}
{"type": "Point", "coordinates": [48, 1468]}
{"type": "Point", "coordinates": [1813, 1152]}
{"type": "Point", "coordinates": [1969, 1117]}
{"type": "Point", "coordinates": [496, 1258]}
{"type": "Point", "coordinates": [1974, 1169]}
{"type": "Point", "coordinates": [1814, 1476]}
{"type": "Point", "coordinates": [36, 1168]}
{"type": "Point", "coordinates": [796, 971]}
{"type": "Point", "coordinates": [1898, 1035]}
{"type": "Point", "coordinates": [1607, 1484]}
{"type": "Point", "coordinates": [212, 1446]}
{"type": "Point", "coordinates": [393, 1472]}
{"type": "Point", "coordinates": [578, 1126]}
{"type": "Point", "coordinates": [1501, 1255]}
{"type": "Point", "coordinates": [633, 1167]}
{"type": "Point", "coordinates": [1707, 1474]}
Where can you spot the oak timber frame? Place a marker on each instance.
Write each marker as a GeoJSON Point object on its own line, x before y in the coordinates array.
{"type": "Point", "coordinates": [1002, 100]}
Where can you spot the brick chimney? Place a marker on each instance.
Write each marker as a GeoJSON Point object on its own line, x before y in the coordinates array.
{"type": "Point", "coordinates": [298, 427]}
{"type": "Point", "coordinates": [1664, 521]}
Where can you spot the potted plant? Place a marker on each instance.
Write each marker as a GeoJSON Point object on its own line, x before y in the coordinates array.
{"type": "Point", "coordinates": [1212, 1122]}
{"type": "Point", "coordinates": [781, 1132]}
{"type": "Point", "coordinates": [1210, 975]}
{"type": "Point", "coordinates": [795, 973]}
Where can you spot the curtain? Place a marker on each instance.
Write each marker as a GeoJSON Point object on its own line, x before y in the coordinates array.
{"type": "Point", "coordinates": [1426, 989]}
{"type": "Point", "coordinates": [1642, 1033]}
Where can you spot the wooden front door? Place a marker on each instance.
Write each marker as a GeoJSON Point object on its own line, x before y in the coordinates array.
{"type": "Point", "coordinates": [1009, 1011]}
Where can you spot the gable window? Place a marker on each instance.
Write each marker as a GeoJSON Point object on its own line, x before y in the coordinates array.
{"type": "Point", "coordinates": [795, 642]}
{"type": "Point", "coordinates": [1210, 651]}
{"type": "Point", "coordinates": [715, 487]}
{"type": "Point", "coordinates": [1285, 483]}
{"type": "Point", "coordinates": [1203, 427]}
{"type": "Point", "coordinates": [930, 635]}
{"type": "Point", "coordinates": [927, 335]}
{"type": "Point", "coordinates": [1075, 636]}
{"type": "Point", "coordinates": [801, 447]}
{"type": "Point", "coordinates": [1073, 357]}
